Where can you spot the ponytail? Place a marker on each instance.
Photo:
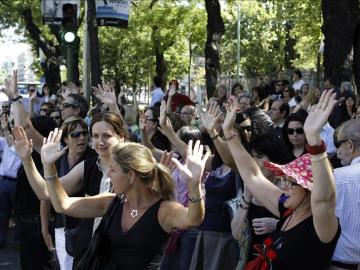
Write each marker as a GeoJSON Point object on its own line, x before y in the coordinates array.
{"type": "Point", "coordinates": [163, 183]}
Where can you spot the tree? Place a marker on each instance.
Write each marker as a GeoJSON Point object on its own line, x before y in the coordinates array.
{"type": "Point", "coordinates": [215, 30]}
{"type": "Point", "coordinates": [342, 40]}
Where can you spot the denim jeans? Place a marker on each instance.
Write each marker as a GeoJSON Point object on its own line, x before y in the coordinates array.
{"type": "Point", "coordinates": [181, 259]}
{"type": "Point", "coordinates": [7, 197]}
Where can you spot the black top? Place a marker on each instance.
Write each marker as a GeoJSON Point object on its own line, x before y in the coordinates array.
{"type": "Point", "coordinates": [62, 166]}
{"type": "Point", "coordinates": [256, 211]}
{"type": "Point", "coordinates": [139, 248]}
{"type": "Point", "coordinates": [26, 202]}
{"type": "Point", "coordinates": [91, 186]}
{"type": "Point", "coordinates": [298, 248]}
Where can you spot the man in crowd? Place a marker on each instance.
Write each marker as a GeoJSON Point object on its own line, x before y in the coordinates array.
{"type": "Point", "coordinates": [157, 93]}
{"type": "Point", "coordinates": [298, 81]}
{"type": "Point", "coordinates": [347, 178]}
{"type": "Point", "coordinates": [244, 103]}
{"type": "Point", "coordinates": [280, 110]}
{"type": "Point", "coordinates": [188, 114]}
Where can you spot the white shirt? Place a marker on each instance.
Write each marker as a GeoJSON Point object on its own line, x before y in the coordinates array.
{"type": "Point", "coordinates": [105, 186]}
{"type": "Point", "coordinates": [156, 95]}
{"type": "Point", "coordinates": [297, 85]}
{"type": "Point", "coordinates": [327, 135]}
{"type": "Point", "coordinates": [348, 210]}
{"type": "Point", "coordinates": [10, 162]}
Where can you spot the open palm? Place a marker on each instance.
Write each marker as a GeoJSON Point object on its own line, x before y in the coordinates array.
{"type": "Point", "coordinates": [50, 150]}
{"type": "Point", "coordinates": [319, 114]}
{"type": "Point", "coordinates": [211, 116]}
{"type": "Point", "coordinates": [194, 166]}
{"type": "Point", "coordinates": [105, 93]}
{"type": "Point", "coordinates": [22, 145]}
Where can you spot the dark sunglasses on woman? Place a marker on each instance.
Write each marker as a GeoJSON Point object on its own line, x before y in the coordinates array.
{"type": "Point", "coordinates": [76, 134]}
{"type": "Point", "coordinates": [291, 131]}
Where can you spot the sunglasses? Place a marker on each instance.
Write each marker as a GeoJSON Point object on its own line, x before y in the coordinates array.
{"type": "Point", "coordinates": [77, 134]}
{"type": "Point", "coordinates": [56, 117]}
{"type": "Point", "coordinates": [291, 131]}
{"type": "Point", "coordinates": [338, 143]}
{"type": "Point", "coordinates": [279, 85]}
{"type": "Point", "coordinates": [284, 183]}
{"type": "Point", "coordinates": [247, 128]}
{"type": "Point", "coordinates": [44, 109]}
{"type": "Point", "coordinates": [32, 90]}
{"type": "Point", "coordinates": [68, 105]}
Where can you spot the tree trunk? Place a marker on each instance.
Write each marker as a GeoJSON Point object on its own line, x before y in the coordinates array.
{"type": "Point", "coordinates": [51, 66]}
{"type": "Point", "coordinates": [357, 59]}
{"type": "Point", "coordinates": [340, 22]}
{"type": "Point", "coordinates": [215, 29]}
{"type": "Point", "coordinates": [94, 43]}
{"type": "Point", "coordinates": [290, 42]}
{"type": "Point", "coordinates": [161, 66]}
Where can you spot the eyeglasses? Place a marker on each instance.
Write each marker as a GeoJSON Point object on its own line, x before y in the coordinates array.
{"type": "Point", "coordinates": [57, 117]}
{"type": "Point", "coordinates": [338, 143]}
{"type": "Point", "coordinates": [68, 105]}
{"type": "Point", "coordinates": [287, 184]}
{"type": "Point", "coordinates": [76, 134]}
{"type": "Point", "coordinates": [247, 128]}
{"type": "Point", "coordinates": [279, 85]}
{"type": "Point", "coordinates": [44, 109]}
{"type": "Point", "coordinates": [291, 131]}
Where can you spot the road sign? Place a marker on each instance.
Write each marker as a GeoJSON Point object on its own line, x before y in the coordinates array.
{"type": "Point", "coordinates": [113, 12]}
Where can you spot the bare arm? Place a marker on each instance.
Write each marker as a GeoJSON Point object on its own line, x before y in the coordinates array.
{"type": "Point", "coordinates": [45, 212]}
{"type": "Point", "coordinates": [174, 215]}
{"type": "Point", "coordinates": [262, 189]}
{"type": "Point", "coordinates": [323, 197]}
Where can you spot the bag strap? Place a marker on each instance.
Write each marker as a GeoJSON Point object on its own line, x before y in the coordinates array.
{"type": "Point", "coordinates": [238, 185]}
{"type": "Point", "coordinates": [110, 212]}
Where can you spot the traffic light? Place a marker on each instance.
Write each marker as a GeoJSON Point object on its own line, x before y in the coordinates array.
{"type": "Point", "coordinates": [69, 24]}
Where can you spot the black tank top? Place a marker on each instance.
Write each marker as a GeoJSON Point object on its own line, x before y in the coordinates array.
{"type": "Point", "coordinates": [141, 247]}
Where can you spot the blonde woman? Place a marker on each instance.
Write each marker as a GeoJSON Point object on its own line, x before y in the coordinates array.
{"type": "Point", "coordinates": [141, 223]}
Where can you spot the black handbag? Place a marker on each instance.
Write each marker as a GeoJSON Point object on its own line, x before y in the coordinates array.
{"type": "Point", "coordinates": [70, 240]}
{"type": "Point", "coordinates": [96, 256]}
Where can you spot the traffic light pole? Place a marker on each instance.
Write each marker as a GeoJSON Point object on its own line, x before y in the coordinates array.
{"type": "Point", "coordinates": [69, 63]}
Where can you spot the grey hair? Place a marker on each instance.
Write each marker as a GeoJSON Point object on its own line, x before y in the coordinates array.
{"type": "Point", "coordinates": [350, 130]}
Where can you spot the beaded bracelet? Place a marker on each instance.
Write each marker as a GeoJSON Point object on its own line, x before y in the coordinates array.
{"type": "Point", "coordinates": [316, 149]}
{"type": "Point", "coordinates": [230, 138]}
{"type": "Point", "coordinates": [195, 200]}
{"type": "Point", "coordinates": [215, 137]}
{"type": "Point", "coordinates": [51, 178]}
{"type": "Point", "coordinates": [318, 157]}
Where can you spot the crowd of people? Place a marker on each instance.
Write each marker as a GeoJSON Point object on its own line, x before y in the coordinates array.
{"type": "Point", "coordinates": [261, 178]}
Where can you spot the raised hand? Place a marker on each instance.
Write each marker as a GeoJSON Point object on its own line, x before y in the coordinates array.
{"type": "Point", "coordinates": [210, 118]}
{"type": "Point", "coordinates": [22, 145]}
{"type": "Point", "coordinates": [172, 90]}
{"type": "Point", "coordinates": [105, 93]}
{"type": "Point", "coordinates": [194, 166]}
{"type": "Point", "coordinates": [318, 116]}
{"type": "Point", "coordinates": [231, 110]}
{"type": "Point", "coordinates": [11, 85]}
{"type": "Point", "coordinates": [51, 150]}
{"type": "Point", "coordinates": [166, 160]}
{"type": "Point", "coordinates": [142, 121]}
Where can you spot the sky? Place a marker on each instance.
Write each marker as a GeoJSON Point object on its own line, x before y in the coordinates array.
{"type": "Point", "coordinates": [10, 45]}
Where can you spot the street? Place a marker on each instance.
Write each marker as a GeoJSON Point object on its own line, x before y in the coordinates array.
{"type": "Point", "coordinates": [9, 256]}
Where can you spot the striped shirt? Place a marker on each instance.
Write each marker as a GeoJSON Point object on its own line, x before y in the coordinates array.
{"type": "Point", "coordinates": [348, 210]}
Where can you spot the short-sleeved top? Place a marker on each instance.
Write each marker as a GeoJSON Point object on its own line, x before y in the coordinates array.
{"type": "Point", "coordinates": [298, 248]}
{"type": "Point", "coordinates": [219, 188]}
{"type": "Point", "coordinates": [140, 247]}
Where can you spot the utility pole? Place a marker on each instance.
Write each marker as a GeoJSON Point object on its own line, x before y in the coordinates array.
{"type": "Point", "coordinates": [86, 60]}
{"type": "Point", "coordinates": [238, 45]}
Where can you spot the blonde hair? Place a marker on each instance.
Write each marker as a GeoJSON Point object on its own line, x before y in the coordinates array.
{"type": "Point", "coordinates": [138, 158]}
{"type": "Point", "coordinates": [311, 97]}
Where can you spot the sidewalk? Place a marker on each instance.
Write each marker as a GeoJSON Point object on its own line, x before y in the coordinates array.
{"type": "Point", "coordinates": [9, 255]}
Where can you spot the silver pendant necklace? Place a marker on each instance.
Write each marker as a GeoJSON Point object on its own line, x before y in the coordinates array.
{"type": "Point", "coordinates": [134, 213]}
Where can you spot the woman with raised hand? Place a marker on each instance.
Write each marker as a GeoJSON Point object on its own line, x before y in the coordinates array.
{"type": "Point", "coordinates": [89, 176]}
{"type": "Point", "coordinates": [308, 230]}
{"type": "Point", "coordinates": [142, 221]}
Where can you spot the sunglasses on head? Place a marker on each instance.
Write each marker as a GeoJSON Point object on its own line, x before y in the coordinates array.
{"type": "Point", "coordinates": [77, 134]}
{"type": "Point", "coordinates": [68, 105]}
{"type": "Point", "coordinates": [291, 131]}
{"type": "Point", "coordinates": [338, 143]}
